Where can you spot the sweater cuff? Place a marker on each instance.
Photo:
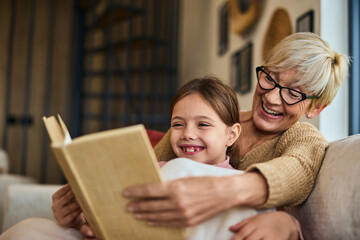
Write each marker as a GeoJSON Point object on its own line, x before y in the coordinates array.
{"type": "Point", "coordinates": [274, 198]}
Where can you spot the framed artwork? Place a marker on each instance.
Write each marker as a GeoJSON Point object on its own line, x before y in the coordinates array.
{"type": "Point", "coordinates": [241, 69]}
{"type": "Point", "coordinates": [305, 23]}
{"type": "Point", "coordinates": [223, 28]}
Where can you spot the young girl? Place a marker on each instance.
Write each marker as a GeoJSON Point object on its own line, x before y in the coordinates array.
{"type": "Point", "coordinates": [205, 122]}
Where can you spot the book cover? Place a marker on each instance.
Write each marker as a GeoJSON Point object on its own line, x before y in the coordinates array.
{"type": "Point", "coordinates": [98, 167]}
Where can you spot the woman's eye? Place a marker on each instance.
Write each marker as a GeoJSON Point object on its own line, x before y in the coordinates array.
{"type": "Point", "coordinates": [269, 78]}
{"type": "Point", "coordinates": [294, 94]}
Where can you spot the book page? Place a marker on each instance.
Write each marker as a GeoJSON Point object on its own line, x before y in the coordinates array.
{"type": "Point", "coordinates": [58, 133]}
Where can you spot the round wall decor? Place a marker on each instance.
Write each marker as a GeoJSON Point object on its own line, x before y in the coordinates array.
{"type": "Point", "coordinates": [279, 28]}
{"type": "Point", "coordinates": [243, 14]}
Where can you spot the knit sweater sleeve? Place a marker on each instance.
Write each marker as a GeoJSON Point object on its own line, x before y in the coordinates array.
{"type": "Point", "coordinates": [291, 174]}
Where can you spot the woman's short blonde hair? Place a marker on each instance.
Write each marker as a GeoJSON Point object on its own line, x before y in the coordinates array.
{"type": "Point", "coordinates": [319, 69]}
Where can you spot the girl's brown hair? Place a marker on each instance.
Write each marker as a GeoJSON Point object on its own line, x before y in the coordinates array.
{"type": "Point", "coordinates": [221, 98]}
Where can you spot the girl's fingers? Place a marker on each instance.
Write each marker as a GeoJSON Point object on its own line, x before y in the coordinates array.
{"type": "Point", "coordinates": [61, 192]}
{"type": "Point", "coordinates": [244, 233]}
{"type": "Point", "coordinates": [87, 232]}
{"type": "Point", "coordinates": [69, 219]}
{"type": "Point", "coordinates": [64, 200]}
{"type": "Point", "coordinates": [238, 226]}
{"type": "Point", "coordinates": [68, 209]}
{"type": "Point", "coordinates": [65, 208]}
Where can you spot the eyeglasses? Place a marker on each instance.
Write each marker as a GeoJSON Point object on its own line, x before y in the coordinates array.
{"type": "Point", "coordinates": [289, 95]}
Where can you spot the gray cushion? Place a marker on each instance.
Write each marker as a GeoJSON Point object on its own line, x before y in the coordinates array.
{"type": "Point", "coordinates": [27, 200]}
{"type": "Point", "coordinates": [332, 210]}
{"type": "Point", "coordinates": [7, 180]}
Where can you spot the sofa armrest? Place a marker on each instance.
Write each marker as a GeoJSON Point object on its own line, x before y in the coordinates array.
{"type": "Point", "coordinates": [332, 209]}
{"type": "Point", "coordinates": [7, 180]}
{"type": "Point", "coordinates": [27, 200]}
{"type": "Point", "coordinates": [4, 162]}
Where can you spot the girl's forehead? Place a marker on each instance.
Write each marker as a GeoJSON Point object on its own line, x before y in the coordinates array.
{"type": "Point", "coordinates": [194, 96]}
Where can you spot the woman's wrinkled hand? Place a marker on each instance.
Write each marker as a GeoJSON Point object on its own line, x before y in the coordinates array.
{"type": "Point", "coordinates": [182, 202]}
{"type": "Point", "coordinates": [66, 209]}
{"type": "Point", "coordinates": [276, 225]}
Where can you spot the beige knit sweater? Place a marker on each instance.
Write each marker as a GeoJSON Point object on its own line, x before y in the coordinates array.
{"type": "Point", "coordinates": [289, 162]}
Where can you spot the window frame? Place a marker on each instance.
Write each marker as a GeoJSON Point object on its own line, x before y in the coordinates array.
{"type": "Point", "coordinates": [354, 71]}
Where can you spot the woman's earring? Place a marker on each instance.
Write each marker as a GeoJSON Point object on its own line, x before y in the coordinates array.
{"type": "Point", "coordinates": [309, 115]}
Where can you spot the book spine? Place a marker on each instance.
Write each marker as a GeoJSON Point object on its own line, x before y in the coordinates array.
{"type": "Point", "coordinates": [77, 187]}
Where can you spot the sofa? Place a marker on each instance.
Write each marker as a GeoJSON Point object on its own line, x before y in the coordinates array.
{"type": "Point", "coordinates": [332, 211]}
{"type": "Point", "coordinates": [7, 180]}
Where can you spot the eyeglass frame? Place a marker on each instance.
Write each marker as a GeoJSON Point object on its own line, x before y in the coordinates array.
{"type": "Point", "coordinates": [303, 95]}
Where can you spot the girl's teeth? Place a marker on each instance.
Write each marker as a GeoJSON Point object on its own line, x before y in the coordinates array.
{"type": "Point", "coordinates": [191, 149]}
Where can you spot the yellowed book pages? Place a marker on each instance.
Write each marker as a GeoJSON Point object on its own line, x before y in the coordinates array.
{"type": "Point", "coordinates": [99, 167]}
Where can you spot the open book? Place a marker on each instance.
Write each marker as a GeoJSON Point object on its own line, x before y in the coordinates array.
{"type": "Point", "coordinates": [99, 167]}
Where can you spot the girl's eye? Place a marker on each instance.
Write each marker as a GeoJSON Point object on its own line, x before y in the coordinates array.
{"type": "Point", "coordinates": [204, 124]}
{"type": "Point", "coordinates": [176, 125]}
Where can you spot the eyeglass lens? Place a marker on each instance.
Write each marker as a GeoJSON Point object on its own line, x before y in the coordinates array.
{"type": "Point", "coordinates": [266, 82]}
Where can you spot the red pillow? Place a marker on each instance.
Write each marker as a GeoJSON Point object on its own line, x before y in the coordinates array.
{"type": "Point", "coordinates": [154, 136]}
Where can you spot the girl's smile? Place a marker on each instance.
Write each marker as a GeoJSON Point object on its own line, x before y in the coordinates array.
{"type": "Point", "coordinates": [189, 149]}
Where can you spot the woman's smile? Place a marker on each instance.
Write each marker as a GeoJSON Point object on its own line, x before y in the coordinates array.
{"type": "Point", "coordinates": [269, 111]}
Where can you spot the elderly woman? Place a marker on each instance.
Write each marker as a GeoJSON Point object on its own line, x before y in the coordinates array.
{"type": "Point", "coordinates": [281, 157]}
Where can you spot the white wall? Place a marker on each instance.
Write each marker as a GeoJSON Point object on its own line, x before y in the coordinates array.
{"type": "Point", "coordinates": [194, 39]}
{"type": "Point", "coordinates": [199, 45]}
{"type": "Point", "coordinates": [334, 120]}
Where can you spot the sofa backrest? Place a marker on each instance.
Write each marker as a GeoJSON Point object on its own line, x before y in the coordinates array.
{"type": "Point", "coordinates": [332, 210]}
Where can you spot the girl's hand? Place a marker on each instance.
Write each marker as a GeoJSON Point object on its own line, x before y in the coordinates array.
{"type": "Point", "coordinates": [87, 232]}
{"type": "Point", "coordinates": [189, 201]}
{"type": "Point", "coordinates": [276, 225]}
{"type": "Point", "coordinates": [66, 209]}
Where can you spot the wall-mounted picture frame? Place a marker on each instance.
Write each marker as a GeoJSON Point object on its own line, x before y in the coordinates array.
{"type": "Point", "coordinates": [241, 69]}
{"type": "Point", "coordinates": [305, 22]}
{"type": "Point", "coordinates": [223, 28]}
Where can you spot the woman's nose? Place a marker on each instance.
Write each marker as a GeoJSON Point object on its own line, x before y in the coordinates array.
{"type": "Point", "coordinates": [273, 96]}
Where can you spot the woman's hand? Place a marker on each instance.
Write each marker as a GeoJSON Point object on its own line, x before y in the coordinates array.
{"type": "Point", "coordinates": [276, 225]}
{"type": "Point", "coordinates": [66, 209]}
{"type": "Point", "coordinates": [189, 201]}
